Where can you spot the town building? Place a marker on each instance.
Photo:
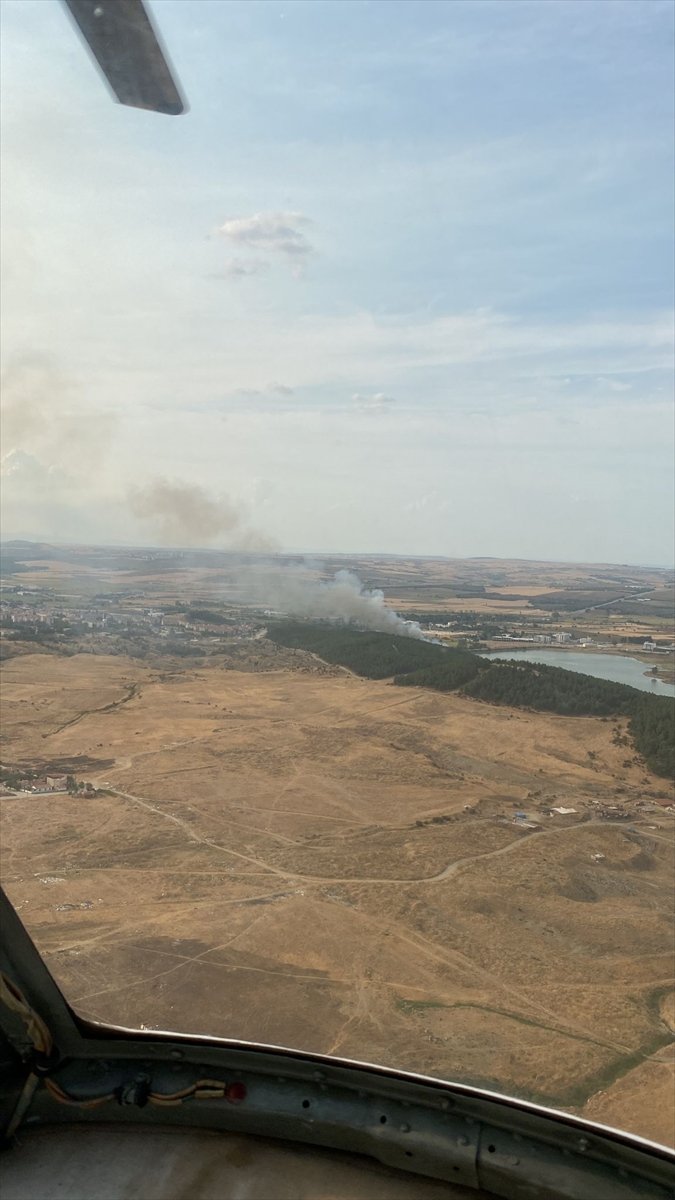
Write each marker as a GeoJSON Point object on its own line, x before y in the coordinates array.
{"type": "Point", "coordinates": [57, 783]}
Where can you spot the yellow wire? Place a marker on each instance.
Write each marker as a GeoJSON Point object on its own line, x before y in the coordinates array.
{"type": "Point", "coordinates": [64, 1098]}
{"type": "Point", "coordinates": [217, 1084]}
{"type": "Point", "coordinates": [203, 1089]}
{"type": "Point", "coordinates": [13, 998]}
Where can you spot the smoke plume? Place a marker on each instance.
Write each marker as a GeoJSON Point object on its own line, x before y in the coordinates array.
{"type": "Point", "coordinates": [344, 599]}
{"type": "Point", "coordinates": [183, 514]}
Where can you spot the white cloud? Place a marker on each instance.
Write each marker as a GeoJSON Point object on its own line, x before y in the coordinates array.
{"type": "Point", "coordinates": [20, 469]}
{"type": "Point", "coordinates": [372, 402]}
{"type": "Point", "coordinates": [278, 233]}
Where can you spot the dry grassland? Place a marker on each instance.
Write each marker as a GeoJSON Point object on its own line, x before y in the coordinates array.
{"type": "Point", "coordinates": [266, 866]}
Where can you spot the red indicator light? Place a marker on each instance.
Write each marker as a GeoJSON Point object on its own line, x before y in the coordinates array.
{"type": "Point", "coordinates": [235, 1093]}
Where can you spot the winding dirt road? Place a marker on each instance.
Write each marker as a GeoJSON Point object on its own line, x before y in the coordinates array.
{"type": "Point", "coordinates": [298, 876]}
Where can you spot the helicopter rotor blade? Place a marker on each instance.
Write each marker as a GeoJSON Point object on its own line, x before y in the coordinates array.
{"type": "Point", "coordinates": [121, 38]}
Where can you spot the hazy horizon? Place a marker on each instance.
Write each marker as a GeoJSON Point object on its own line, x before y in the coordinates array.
{"type": "Point", "coordinates": [314, 554]}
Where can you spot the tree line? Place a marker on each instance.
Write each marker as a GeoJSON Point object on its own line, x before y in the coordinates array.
{"type": "Point", "coordinates": [458, 667]}
{"type": "Point", "coordinates": [551, 689]}
{"type": "Point", "coordinates": [374, 655]}
{"type": "Point", "coordinates": [414, 663]}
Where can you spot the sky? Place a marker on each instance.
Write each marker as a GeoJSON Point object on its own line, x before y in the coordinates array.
{"type": "Point", "coordinates": [399, 281]}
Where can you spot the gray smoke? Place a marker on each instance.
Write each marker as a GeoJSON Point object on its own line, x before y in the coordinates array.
{"type": "Point", "coordinates": [183, 514]}
{"type": "Point", "coordinates": [344, 599]}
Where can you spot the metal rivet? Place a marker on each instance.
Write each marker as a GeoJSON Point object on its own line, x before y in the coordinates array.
{"type": "Point", "coordinates": [513, 1161]}
{"type": "Point", "coordinates": [583, 1144]}
{"type": "Point", "coordinates": [176, 1053]}
{"type": "Point", "coordinates": [404, 1128]}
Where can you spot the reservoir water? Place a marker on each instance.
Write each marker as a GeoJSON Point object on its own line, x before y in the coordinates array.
{"type": "Point", "coordinates": [601, 666]}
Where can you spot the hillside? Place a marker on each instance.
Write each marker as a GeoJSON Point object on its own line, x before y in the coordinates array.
{"type": "Point", "coordinates": [329, 862]}
{"type": "Point", "coordinates": [458, 667]}
{"type": "Point", "coordinates": [552, 689]}
{"type": "Point", "coordinates": [414, 663]}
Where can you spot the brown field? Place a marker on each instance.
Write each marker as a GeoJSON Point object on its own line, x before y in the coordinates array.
{"type": "Point", "coordinates": [286, 857]}
{"type": "Point", "coordinates": [487, 605]}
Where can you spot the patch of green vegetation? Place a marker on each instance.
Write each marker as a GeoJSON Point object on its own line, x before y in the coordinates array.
{"type": "Point", "coordinates": [578, 1094]}
{"type": "Point", "coordinates": [551, 689]}
{"type": "Point", "coordinates": [413, 1006]}
{"type": "Point", "coordinates": [458, 667]}
{"type": "Point", "coordinates": [575, 600]}
{"type": "Point", "coordinates": [654, 1000]}
{"type": "Point", "coordinates": [210, 616]}
{"type": "Point", "coordinates": [374, 655]}
{"type": "Point", "coordinates": [652, 726]}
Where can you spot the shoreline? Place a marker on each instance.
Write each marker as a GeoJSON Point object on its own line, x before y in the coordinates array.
{"type": "Point", "coordinates": [665, 670]}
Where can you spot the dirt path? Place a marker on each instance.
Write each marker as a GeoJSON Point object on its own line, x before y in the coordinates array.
{"type": "Point", "coordinates": [185, 961]}
{"type": "Point", "coordinates": [131, 692]}
{"type": "Point", "coordinates": [299, 876]}
{"type": "Point", "coordinates": [194, 837]}
{"type": "Point", "coordinates": [447, 957]}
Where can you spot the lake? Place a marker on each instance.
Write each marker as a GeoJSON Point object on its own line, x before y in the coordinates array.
{"type": "Point", "coordinates": [601, 666]}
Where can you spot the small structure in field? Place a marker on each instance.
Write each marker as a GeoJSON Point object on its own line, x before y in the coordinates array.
{"type": "Point", "coordinates": [57, 783]}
